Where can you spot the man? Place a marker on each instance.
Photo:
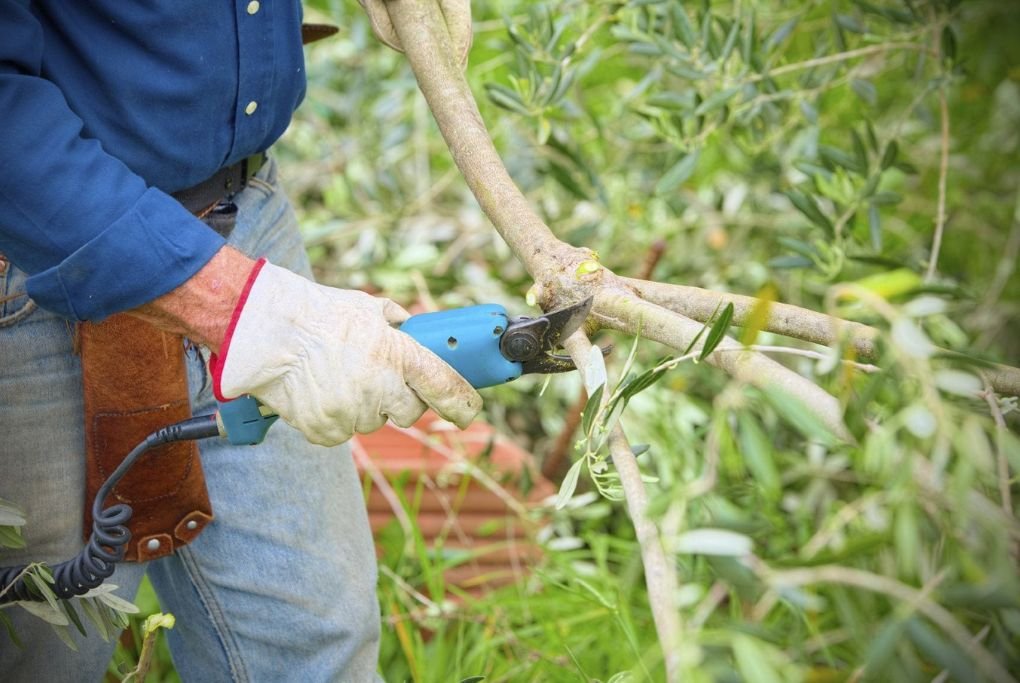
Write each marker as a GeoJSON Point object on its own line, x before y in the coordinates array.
{"type": "Point", "coordinates": [109, 108]}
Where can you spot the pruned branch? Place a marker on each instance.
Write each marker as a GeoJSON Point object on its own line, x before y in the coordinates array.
{"type": "Point", "coordinates": [553, 263]}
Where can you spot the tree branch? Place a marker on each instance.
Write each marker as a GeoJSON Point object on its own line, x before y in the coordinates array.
{"type": "Point", "coordinates": [626, 312]}
{"type": "Point", "coordinates": [660, 574]}
{"type": "Point", "coordinates": [940, 217]}
{"type": "Point", "coordinates": [789, 321]}
{"type": "Point", "coordinates": [563, 274]}
{"type": "Point", "coordinates": [785, 319]}
{"type": "Point", "coordinates": [551, 262]}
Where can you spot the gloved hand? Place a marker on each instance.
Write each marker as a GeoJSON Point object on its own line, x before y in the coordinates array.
{"type": "Point", "coordinates": [327, 361]}
{"type": "Point", "coordinates": [458, 21]}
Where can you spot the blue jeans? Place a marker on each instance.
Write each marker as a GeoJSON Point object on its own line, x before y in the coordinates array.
{"type": "Point", "coordinates": [280, 587]}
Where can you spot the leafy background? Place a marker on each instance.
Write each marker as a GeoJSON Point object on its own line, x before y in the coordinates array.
{"type": "Point", "coordinates": [787, 150]}
{"type": "Point", "coordinates": [699, 130]}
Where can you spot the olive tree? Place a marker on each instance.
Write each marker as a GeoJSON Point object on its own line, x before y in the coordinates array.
{"type": "Point", "coordinates": [713, 72]}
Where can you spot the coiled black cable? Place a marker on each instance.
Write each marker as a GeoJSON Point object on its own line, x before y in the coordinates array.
{"type": "Point", "coordinates": [109, 538]}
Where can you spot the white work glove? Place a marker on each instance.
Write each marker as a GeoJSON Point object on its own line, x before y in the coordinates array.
{"type": "Point", "coordinates": [327, 361]}
{"type": "Point", "coordinates": [458, 21]}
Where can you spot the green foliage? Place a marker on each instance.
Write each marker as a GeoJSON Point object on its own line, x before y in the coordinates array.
{"type": "Point", "coordinates": [574, 618]}
{"type": "Point", "coordinates": [12, 519]}
{"type": "Point", "coordinates": [141, 654]}
{"type": "Point", "coordinates": [104, 612]}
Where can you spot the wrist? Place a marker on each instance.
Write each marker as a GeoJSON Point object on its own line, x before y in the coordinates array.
{"type": "Point", "coordinates": [202, 308]}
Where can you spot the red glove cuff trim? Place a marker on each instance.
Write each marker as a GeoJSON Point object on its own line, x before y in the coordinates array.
{"type": "Point", "coordinates": [216, 362]}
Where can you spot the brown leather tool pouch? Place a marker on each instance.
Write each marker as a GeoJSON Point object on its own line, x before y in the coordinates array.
{"type": "Point", "coordinates": [135, 383]}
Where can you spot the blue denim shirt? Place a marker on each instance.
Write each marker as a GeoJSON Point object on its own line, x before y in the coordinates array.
{"type": "Point", "coordinates": [108, 105]}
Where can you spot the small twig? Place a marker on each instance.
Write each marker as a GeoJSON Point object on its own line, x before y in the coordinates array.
{"type": "Point", "coordinates": [407, 588]}
{"type": "Point", "coordinates": [467, 467]}
{"type": "Point", "coordinates": [940, 216]}
{"type": "Point", "coordinates": [716, 594]}
{"type": "Point", "coordinates": [832, 59]}
{"type": "Point", "coordinates": [361, 457]}
{"type": "Point", "coordinates": [421, 287]}
{"type": "Point", "coordinates": [652, 258]}
{"type": "Point", "coordinates": [808, 353]}
{"type": "Point", "coordinates": [979, 637]}
{"type": "Point", "coordinates": [710, 474]}
{"type": "Point", "coordinates": [17, 579]}
{"type": "Point", "coordinates": [450, 522]}
{"type": "Point", "coordinates": [1001, 462]}
{"type": "Point", "coordinates": [842, 518]}
{"type": "Point", "coordinates": [1007, 263]}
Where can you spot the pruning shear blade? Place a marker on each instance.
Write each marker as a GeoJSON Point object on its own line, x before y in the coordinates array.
{"type": "Point", "coordinates": [531, 341]}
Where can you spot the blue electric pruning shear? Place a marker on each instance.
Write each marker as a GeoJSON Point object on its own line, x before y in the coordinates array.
{"type": "Point", "coordinates": [481, 342]}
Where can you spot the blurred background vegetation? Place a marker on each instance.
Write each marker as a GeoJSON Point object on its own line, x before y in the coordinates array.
{"type": "Point", "coordinates": [757, 147]}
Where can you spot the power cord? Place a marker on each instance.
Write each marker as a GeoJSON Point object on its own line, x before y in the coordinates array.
{"type": "Point", "coordinates": [109, 538]}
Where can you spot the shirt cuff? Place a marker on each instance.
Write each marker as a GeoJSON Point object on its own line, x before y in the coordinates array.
{"type": "Point", "coordinates": [150, 250]}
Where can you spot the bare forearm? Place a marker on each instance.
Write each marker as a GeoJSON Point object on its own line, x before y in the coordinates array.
{"type": "Point", "coordinates": [201, 308]}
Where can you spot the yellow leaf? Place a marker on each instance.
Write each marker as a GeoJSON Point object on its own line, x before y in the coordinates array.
{"type": "Point", "coordinates": [154, 622]}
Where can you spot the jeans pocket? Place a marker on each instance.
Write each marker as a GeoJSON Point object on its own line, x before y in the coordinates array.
{"type": "Point", "coordinates": [15, 305]}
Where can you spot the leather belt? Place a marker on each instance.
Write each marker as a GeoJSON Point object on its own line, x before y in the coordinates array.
{"type": "Point", "coordinates": [226, 182]}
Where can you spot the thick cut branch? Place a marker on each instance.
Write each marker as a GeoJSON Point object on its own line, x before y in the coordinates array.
{"type": "Point", "coordinates": [625, 312]}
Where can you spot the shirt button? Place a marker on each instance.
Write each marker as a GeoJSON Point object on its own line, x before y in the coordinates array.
{"type": "Point", "coordinates": [253, 6]}
{"type": "Point", "coordinates": [252, 106]}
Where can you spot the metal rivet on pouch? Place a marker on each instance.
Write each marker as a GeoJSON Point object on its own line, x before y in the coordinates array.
{"type": "Point", "coordinates": [152, 545]}
{"type": "Point", "coordinates": [192, 525]}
